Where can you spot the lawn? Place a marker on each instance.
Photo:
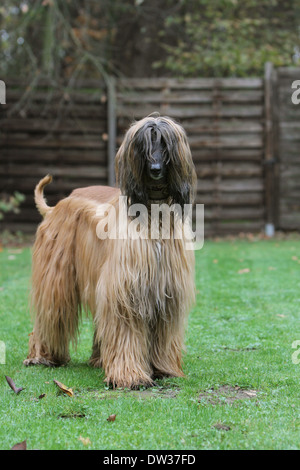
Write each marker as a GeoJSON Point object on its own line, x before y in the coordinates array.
{"type": "Point", "coordinates": [241, 389]}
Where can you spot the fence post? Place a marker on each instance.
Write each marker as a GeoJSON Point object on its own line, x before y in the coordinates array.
{"type": "Point", "coordinates": [112, 131]}
{"type": "Point", "coordinates": [269, 159]}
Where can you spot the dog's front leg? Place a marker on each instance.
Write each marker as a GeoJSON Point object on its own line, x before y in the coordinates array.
{"type": "Point", "coordinates": [124, 352]}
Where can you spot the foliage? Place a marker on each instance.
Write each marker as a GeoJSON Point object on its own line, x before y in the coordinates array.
{"type": "Point", "coordinates": [57, 39]}
{"type": "Point", "coordinates": [10, 203]}
{"type": "Point", "coordinates": [231, 37]}
{"type": "Point", "coordinates": [64, 40]}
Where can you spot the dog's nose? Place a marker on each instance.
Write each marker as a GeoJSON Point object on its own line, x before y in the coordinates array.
{"type": "Point", "coordinates": [155, 170]}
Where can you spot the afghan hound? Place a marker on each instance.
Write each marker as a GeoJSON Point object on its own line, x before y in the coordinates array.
{"type": "Point", "coordinates": [138, 289]}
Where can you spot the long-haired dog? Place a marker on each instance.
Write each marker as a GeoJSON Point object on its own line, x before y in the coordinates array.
{"type": "Point", "coordinates": [139, 290]}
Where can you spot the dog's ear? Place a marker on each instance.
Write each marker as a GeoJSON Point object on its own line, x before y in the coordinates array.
{"type": "Point", "coordinates": [129, 167]}
{"type": "Point", "coordinates": [182, 190]}
{"type": "Point", "coordinates": [135, 191]}
{"type": "Point", "coordinates": [182, 178]}
{"type": "Point", "coordinates": [181, 195]}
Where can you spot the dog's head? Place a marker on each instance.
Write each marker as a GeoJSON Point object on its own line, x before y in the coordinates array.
{"type": "Point", "coordinates": [154, 162]}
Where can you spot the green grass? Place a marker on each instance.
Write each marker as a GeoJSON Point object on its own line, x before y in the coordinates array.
{"type": "Point", "coordinates": [240, 333]}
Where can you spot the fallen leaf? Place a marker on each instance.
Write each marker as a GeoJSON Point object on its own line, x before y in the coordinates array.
{"type": "Point", "coordinates": [250, 393]}
{"type": "Point", "coordinates": [39, 398]}
{"type": "Point", "coordinates": [245, 270]}
{"type": "Point", "coordinates": [294, 258]}
{"type": "Point", "coordinates": [221, 426]}
{"type": "Point", "coordinates": [15, 251]}
{"type": "Point", "coordinates": [85, 440]}
{"type": "Point", "coordinates": [20, 446]}
{"type": "Point", "coordinates": [215, 261]}
{"type": "Point", "coordinates": [12, 385]}
{"type": "Point", "coordinates": [68, 391]}
{"type": "Point", "coordinates": [280, 315]}
{"type": "Point", "coordinates": [111, 417]}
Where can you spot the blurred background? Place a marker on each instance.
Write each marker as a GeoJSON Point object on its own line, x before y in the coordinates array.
{"type": "Point", "coordinates": [77, 73]}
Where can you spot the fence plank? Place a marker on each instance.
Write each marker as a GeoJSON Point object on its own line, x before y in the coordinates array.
{"type": "Point", "coordinates": [112, 131]}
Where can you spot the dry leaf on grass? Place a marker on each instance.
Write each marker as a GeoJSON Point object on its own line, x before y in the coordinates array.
{"type": "Point", "coordinates": [12, 385]}
{"type": "Point", "coordinates": [250, 393]}
{"type": "Point", "coordinates": [111, 417]}
{"type": "Point", "coordinates": [39, 397]}
{"type": "Point", "coordinates": [221, 426]}
{"type": "Point", "coordinates": [243, 271]}
{"type": "Point", "coordinates": [85, 440]}
{"type": "Point", "coordinates": [20, 446]}
{"type": "Point", "coordinates": [15, 251]}
{"type": "Point", "coordinates": [68, 391]}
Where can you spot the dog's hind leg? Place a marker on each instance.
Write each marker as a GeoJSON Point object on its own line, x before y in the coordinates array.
{"type": "Point", "coordinates": [55, 297]}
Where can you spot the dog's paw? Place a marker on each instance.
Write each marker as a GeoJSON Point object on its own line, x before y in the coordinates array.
{"type": "Point", "coordinates": [130, 384]}
{"type": "Point", "coordinates": [33, 361]}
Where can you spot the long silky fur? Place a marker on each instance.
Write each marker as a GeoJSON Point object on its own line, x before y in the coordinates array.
{"type": "Point", "coordinates": [139, 291]}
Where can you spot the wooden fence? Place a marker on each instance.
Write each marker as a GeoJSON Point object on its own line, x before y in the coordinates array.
{"type": "Point", "coordinates": [232, 124]}
{"type": "Point", "coordinates": [58, 132]}
{"type": "Point", "coordinates": [224, 120]}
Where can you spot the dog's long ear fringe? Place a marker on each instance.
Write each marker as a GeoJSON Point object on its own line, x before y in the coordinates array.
{"type": "Point", "coordinates": [40, 201]}
{"type": "Point", "coordinates": [182, 178]}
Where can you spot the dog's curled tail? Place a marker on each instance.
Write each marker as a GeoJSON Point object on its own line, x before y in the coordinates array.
{"type": "Point", "coordinates": [40, 201]}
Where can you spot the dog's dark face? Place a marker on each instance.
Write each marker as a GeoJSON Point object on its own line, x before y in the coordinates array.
{"type": "Point", "coordinates": [156, 167]}
{"type": "Point", "coordinates": [154, 162]}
